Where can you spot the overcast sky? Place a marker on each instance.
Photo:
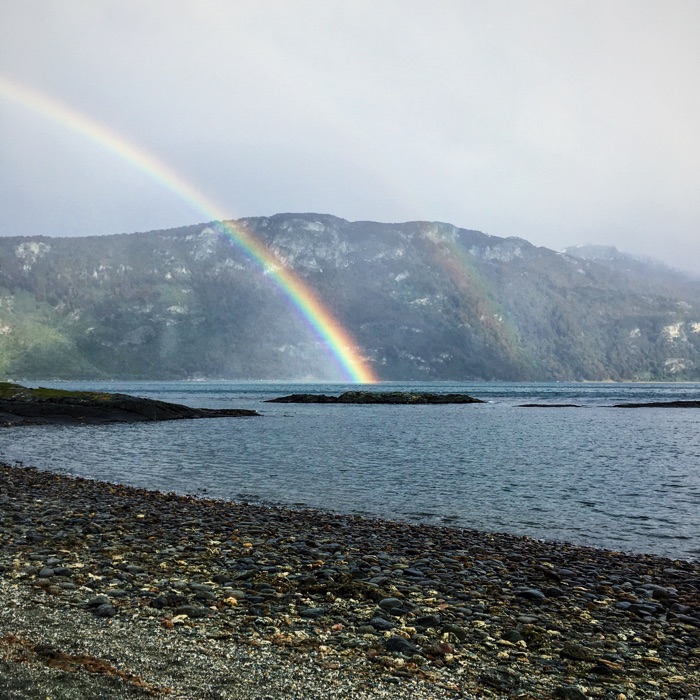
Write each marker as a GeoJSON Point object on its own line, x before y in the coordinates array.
{"type": "Point", "coordinates": [558, 121]}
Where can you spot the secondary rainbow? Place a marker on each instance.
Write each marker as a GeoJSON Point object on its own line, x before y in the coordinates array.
{"type": "Point", "coordinates": [339, 342]}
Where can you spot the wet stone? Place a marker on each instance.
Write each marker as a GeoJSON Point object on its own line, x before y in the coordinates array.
{"type": "Point", "coordinates": [578, 652]}
{"type": "Point", "coordinates": [97, 600]}
{"type": "Point", "coordinates": [688, 620]}
{"type": "Point", "coordinates": [439, 650]}
{"type": "Point", "coordinates": [105, 610]}
{"type": "Point", "coordinates": [379, 623]}
{"type": "Point", "coordinates": [554, 592]}
{"type": "Point", "coordinates": [530, 594]}
{"type": "Point", "coordinates": [500, 678]}
{"type": "Point", "coordinates": [118, 593]}
{"type": "Point", "coordinates": [513, 636]}
{"type": "Point", "coordinates": [427, 620]}
{"type": "Point", "coordinates": [569, 692]}
{"type": "Point", "coordinates": [192, 611]}
{"type": "Point", "coordinates": [391, 604]}
{"type": "Point", "coordinates": [459, 632]}
{"type": "Point", "coordinates": [277, 579]}
{"type": "Point", "coordinates": [401, 645]}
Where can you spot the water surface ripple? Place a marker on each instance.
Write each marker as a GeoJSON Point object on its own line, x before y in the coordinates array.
{"type": "Point", "coordinates": [621, 479]}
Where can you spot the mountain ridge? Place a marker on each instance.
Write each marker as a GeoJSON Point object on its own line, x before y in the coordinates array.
{"type": "Point", "coordinates": [424, 300]}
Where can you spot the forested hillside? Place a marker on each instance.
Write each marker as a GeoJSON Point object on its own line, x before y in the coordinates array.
{"type": "Point", "coordinates": [423, 300]}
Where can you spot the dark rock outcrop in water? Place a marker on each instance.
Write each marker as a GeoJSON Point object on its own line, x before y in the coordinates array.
{"type": "Point", "coordinates": [653, 404]}
{"type": "Point", "coordinates": [20, 405]}
{"type": "Point", "coordinates": [660, 404]}
{"type": "Point", "coordinates": [549, 405]}
{"type": "Point", "coordinates": [387, 397]}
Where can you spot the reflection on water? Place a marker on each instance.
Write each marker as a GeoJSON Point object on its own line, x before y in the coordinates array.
{"type": "Point", "coordinates": [624, 479]}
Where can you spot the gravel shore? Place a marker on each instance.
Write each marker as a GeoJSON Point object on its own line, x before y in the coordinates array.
{"type": "Point", "coordinates": [108, 591]}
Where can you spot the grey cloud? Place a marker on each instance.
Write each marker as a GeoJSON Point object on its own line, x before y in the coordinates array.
{"type": "Point", "coordinates": [561, 123]}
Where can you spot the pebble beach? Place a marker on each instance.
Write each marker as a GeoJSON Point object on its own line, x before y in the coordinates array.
{"type": "Point", "coordinates": [109, 591]}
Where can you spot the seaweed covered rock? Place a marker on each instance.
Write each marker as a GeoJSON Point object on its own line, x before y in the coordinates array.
{"type": "Point", "coordinates": [20, 405]}
{"type": "Point", "coordinates": [385, 397]}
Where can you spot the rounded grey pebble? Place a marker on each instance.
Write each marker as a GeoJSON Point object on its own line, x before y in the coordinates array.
{"type": "Point", "coordinates": [570, 692]}
{"type": "Point", "coordinates": [381, 624]}
{"type": "Point", "coordinates": [428, 620]}
{"type": "Point", "coordinates": [458, 631]}
{"type": "Point", "coordinates": [97, 600]}
{"type": "Point", "coordinates": [401, 645]}
{"type": "Point", "coordinates": [530, 593]}
{"type": "Point", "coordinates": [105, 610]}
{"type": "Point", "coordinates": [192, 611]}
{"type": "Point", "coordinates": [513, 636]}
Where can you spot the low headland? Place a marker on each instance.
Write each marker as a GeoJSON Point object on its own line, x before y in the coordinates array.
{"type": "Point", "coordinates": [20, 405]}
{"type": "Point", "coordinates": [651, 404]}
{"type": "Point", "coordinates": [115, 592]}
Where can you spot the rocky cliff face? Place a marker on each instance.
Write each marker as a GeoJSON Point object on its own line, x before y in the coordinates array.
{"type": "Point", "coordinates": [424, 301]}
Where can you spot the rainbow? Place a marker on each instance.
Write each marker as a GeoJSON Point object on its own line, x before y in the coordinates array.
{"type": "Point", "coordinates": [450, 253]}
{"type": "Point", "coordinates": [335, 338]}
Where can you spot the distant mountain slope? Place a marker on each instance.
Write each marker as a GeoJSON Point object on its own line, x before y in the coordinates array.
{"type": "Point", "coordinates": [424, 300]}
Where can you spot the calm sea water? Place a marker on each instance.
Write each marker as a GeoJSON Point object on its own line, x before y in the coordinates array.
{"type": "Point", "coordinates": [626, 479]}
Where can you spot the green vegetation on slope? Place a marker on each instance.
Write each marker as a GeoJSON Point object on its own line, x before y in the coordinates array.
{"type": "Point", "coordinates": [423, 300]}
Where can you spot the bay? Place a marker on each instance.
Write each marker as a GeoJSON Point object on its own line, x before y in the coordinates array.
{"type": "Point", "coordinates": [625, 479]}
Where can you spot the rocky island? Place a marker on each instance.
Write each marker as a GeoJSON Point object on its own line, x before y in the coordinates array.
{"type": "Point", "coordinates": [384, 397]}
{"type": "Point", "coordinates": [20, 405]}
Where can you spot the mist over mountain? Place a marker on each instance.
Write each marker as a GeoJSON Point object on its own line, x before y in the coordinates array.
{"type": "Point", "coordinates": [423, 300]}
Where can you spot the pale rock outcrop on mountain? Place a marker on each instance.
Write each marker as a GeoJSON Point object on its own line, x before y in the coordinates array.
{"type": "Point", "coordinates": [423, 300]}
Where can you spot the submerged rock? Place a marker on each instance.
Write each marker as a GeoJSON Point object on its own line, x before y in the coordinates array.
{"type": "Point", "coordinates": [385, 397]}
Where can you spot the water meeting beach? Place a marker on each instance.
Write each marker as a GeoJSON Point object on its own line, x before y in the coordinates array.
{"type": "Point", "coordinates": [112, 591]}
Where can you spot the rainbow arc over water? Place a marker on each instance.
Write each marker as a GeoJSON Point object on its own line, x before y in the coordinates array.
{"type": "Point", "coordinates": [336, 339]}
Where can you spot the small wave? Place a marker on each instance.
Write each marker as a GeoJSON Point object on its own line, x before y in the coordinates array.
{"type": "Point", "coordinates": [421, 514]}
{"type": "Point", "coordinates": [247, 497]}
